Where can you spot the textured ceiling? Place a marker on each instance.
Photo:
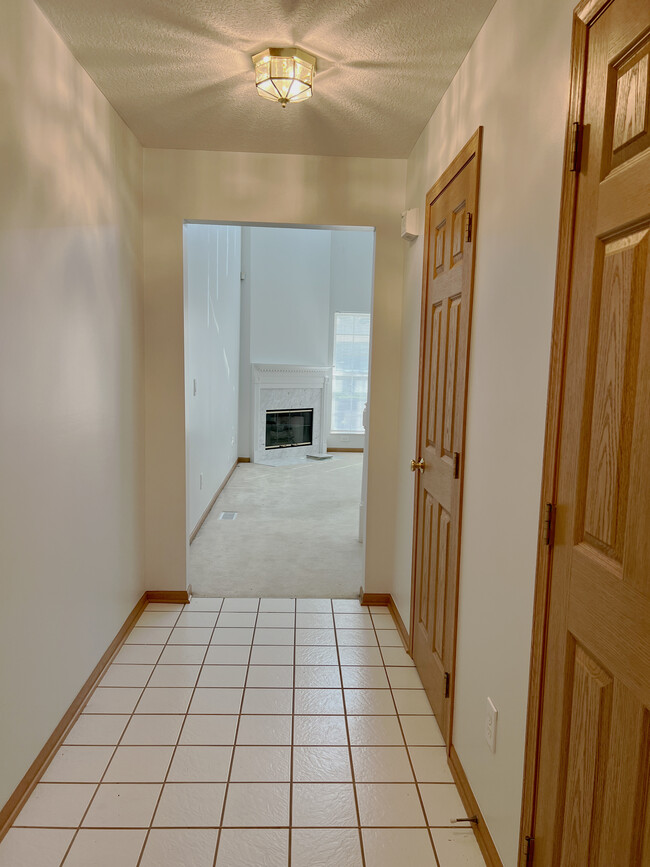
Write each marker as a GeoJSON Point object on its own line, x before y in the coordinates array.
{"type": "Point", "coordinates": [179, 71]}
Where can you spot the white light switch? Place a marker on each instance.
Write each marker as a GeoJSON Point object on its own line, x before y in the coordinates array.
{"type": "Point", "coordinates": [491, 714]}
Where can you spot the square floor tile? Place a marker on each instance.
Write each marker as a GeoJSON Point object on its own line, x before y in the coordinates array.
{"type": "Point", "coordinates": [389, 638]}
{"type": "Point", "coordinates": [325, 847]}
{"type": "Point", "coordinates": [123, 805]}
{"type": "Point", "coordinates": [190, 635]}
{"type": "Point", "coordinates": [267, 764]}
{"type": "Point", "coordinates": [397, 656]}
{"type": "Point", "coordinates": [255, 804]}
{"type": "Point", "coordinates": [73, 764]}
{"type": "Point", "coordinates": [165, 606]}
{"type": "Point", "coordinates": [430, 764]}
{"type": "Point", "coordinates": [375, 702]}
{"type": "Point", "coordinates": [319, 701]}
{"type": "Point", "coordinates": [422, 731]}
{"type": "Point", "coordinates": [314, 605]}
{"type": "Point", "coordinates": [275, 619]}
{"type": "Point", "coordinates": [127, 675]}
{"type": "Point", "coordinates": [223, 675]}
{"type": "Point", "coordinates": [139, 765]}
{"type": "Point", "coordinates": [240, 604]}
{"type": "Point", "coordinates": [268, 701]}
{"type": "Point", "coordinates": [270, 675]}
{"type": "Point", "coordinates": [383, 621]}
{"type": "Point", "coordinates": [200, 764]}
{"type": "Point", "coordinates": [457, 848]}
{"type": "Point", "coordinates": [319, 637]}
{"type": "Point", "coordinates": [106, 848]}
{"type": "Point", "coordinates": [321, 764]}
{"type": "Point", "coordinates": [175, 675]}
{"type": "Point", "coordinates": [253, 847]}
{"type": "Point", "coordinates": [164, 699]}
{"type": "Point", "coordinates": [113, 700]}
{"type": "Point", "coordinates": [232, 635]}
{"type": "Point", "coordinates": [412, 701]}
{"type": "Point", "coordinates": [403, 678]}
{"type": "Point", "coordinates": [148, 635]}
{"type": "Point", "coordinates": [237, 619]}
{"type": "Point", "coordinates": [273, 636]}
{"type": "Point", "coordinates": [190, 804]}
{"type": "Point", "coordinates": [348, 605]}
{"type": "Point", "coordinates": [314, 620]}
{"type": "Point", "coordinates": [360, 656]}
{"type": "Point", "coordinates": [204, 603]}
{"type": "Point", "coordinates": [356, 637]}
{"type": "Point", "coordinates": [212, 700]}
{"type": "Point", "coordinates": [385, 847]}
{"type": "Point", "coordinates": [322, 804]}
{"type": "Point", "coordinates": [364, 677]}
{"type": "Point", "coordinates": [282, 605]}
{"type": "Point", "coordinates": [227, 654]}
{"type": "Point", "coordinates": [264, 729]}
{"type": "Point", "coordinates": [318, 676]}
{"type": "Point", "coordinates": [352, 621]}
{"type": "Point", "coordinates": [381, 731]}
{"type": "Point", "coordinates": [97, 729]}
{"type": "Point", "coordinates": [158, 618]}
{"type": "Point", "coordinates": [138, 654]}
{"type": "Point", "coordinates": [182, 654]}
{"type": "Point", "coordinates": [314, 655]}
{"type": "Point", "coordinates": [153, 730]}
{"type": "Point", "coordinates": [381, 765]}
{"type": "Point", "coordinates": [184, 805]}
{"type": "Point", "coordinates": [320, 731]}
{"type": "Point", "coordinates": [198, 619]}
{"type": "Point", "coordinates": [189, 847]}
{"type": "Point", "coordinates": [378, 609]}
{"type": "Point", "coordinates": [34, 847]}
{"type": "Point", "coordinates": [389, 805]}
{"type": "Point", "coordinates": [277, 654]}
{"type": "Point", "coordinates": [56, 806]}
{"type": "Point", "coordinates": [209, 730]}
{"type": "Point", "coordinates": [442, 803]}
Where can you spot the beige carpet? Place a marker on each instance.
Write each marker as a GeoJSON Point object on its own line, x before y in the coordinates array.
{"type": "Point", "coordinates": [295, 534]}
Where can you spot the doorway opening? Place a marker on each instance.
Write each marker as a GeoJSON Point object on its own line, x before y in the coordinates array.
{"type": "Point", "coordinates": [277, 359]}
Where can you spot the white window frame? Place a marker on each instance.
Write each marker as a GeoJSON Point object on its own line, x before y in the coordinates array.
{"type": "Point", "coordinates": [346, 374]}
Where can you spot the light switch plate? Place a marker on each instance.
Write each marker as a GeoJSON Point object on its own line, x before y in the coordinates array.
{"type": "Point", "coordinates": [491, 714]}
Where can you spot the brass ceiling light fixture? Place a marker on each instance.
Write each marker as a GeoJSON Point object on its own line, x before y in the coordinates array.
{"type": "Point", "coordinates": [284, 74]}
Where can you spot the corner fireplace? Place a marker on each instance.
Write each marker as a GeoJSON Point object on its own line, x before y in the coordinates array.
{"type": "Point", "coordinates": [289, 428]}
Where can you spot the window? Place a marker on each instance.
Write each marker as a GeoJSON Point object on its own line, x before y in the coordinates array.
{"type": "Point", "coordinates": [350, 375]}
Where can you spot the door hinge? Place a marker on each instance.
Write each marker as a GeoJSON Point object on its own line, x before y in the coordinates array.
{"type": "Point", "coordinates": [529, 850]}
{"type": "Point", "coordinates": [456, 458]}
{"type": "Point", "coordinates": [549, 524]}
{"type": "Point", "coordinates": [447, 678]}
{"type": "Point", "coordinates": [468, 226]}
{"type": "Point", "coordinates": [576, 141]}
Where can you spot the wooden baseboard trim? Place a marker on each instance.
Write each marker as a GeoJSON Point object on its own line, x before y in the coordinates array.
{"type": "Point", "coordinates": [26, 786]}
{"type": "Point", "coordinates": [387, 599]}
{"type": "Point", "coordinates": [175, 596]}
{"type": "Point", "coordinates": [483, 838]}
{"type": "Point", "coordinates": [375, 599]}
{"type": "Point", "coordinates": [351, 451]}
{"type": "Point", "coordinates": [243, 460]}
{"type": "Point", "coordinates": [195, 531]}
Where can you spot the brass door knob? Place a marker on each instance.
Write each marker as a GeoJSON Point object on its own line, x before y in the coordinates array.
{"type": "Point", "coordinates": [417, 465]}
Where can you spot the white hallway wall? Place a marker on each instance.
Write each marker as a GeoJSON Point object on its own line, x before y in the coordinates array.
{"type": "Point", "coordinates": [212, 309]}
{"type": "Point", "coordinates": [514, 82]}
{"type": "Point", "coordinates": [71, 376]}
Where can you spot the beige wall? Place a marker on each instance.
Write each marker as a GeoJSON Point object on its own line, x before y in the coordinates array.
{"type": "Point", "coordinates": [514, 82]}
{"type": "Point", "coordinates": [201, 185]}
{"type": "Point", "coordinates": [70, 381]}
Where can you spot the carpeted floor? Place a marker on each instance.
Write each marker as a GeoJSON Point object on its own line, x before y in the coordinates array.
{"type": "Point", "coordinates": [295, 534]}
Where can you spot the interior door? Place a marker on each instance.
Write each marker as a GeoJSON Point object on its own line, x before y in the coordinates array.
{"type": "Point", "coordinates": [591, 805]}
{"type": "Point", "coordinates": [449, 243]}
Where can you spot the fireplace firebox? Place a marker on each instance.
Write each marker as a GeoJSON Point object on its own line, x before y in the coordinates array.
{"type": "Point", "coordinates": [289, 428]}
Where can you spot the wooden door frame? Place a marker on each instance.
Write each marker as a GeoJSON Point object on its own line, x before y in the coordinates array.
{"type": "Point", "coordinates": [584, 15]}
{"type": "Point", "coordinates": [471, 149]}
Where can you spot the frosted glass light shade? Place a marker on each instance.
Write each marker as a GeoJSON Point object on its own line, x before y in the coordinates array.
{"type": "Point", "coordinates": [284, 74]}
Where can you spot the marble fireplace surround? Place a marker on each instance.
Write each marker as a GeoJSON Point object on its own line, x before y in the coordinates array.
{"type": "Point", "coordinates": [289, 386]}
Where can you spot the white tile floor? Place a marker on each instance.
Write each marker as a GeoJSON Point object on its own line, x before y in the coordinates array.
{"type": "Point", "coordinates": [250, 733]}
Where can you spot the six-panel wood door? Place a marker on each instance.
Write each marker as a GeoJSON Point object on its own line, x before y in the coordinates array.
{"type": "Point", "coordinates": [444, 350]}
{"type": "Point", "coordinates": [592, 804]}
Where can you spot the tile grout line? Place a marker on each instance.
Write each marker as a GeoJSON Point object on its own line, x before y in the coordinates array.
{"type": "Point", "coordinates": [347, 732]}
{"type": "Point", "coordinates": [108, 764]}
{"type": "Point", "coordinates": [178, 739]}
{"type": "Point", "coordinates": [234, 746]}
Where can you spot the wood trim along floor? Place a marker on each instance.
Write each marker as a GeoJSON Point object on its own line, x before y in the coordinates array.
{"type": "Point", "coordinates": [243, 460]}
{"type": "Point", "coordinates": [350, 451]}
{"type": "Point", "coordinates": [483, 837]}
{"type": "Point", "coordinates": [26, 786]}
{"type": "Point", "coordinates": [175, 596]}
{"type": "Point", "coordinates": [195, 531]}
{"type": "Point", "coordinates": [387, 599]}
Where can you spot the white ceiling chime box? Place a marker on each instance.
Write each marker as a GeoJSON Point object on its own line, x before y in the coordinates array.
{"type": "Point", "coordinates": [410, 224]}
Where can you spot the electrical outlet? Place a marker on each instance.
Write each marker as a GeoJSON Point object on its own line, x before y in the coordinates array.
{"type": "Point", "coordinates": [491, 715]}
{"type": "Point", "coordinates": [200, 481]}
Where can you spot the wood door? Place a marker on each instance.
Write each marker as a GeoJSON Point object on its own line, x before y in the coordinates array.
{"type": "Point", "coordinates": [593, 776]}
{"type": "Point", "coordinates": [449, 243]}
